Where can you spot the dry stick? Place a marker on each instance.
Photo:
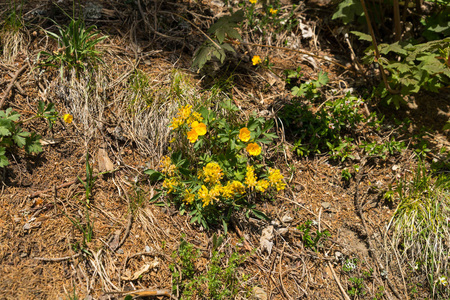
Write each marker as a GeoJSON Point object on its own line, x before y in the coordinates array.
{"type": "Point", "coordinates": [127, 232]}
{"type": "Point", "coordinates": [56, 259]}
{"type": "Point", "coordinates": [11, 84]}
{"type": "Point", "coordinates": [363, 221]}
{"type": "Point", "coordinates": [377, 52]}
{"type": "Point", "coordinates": [286, 294]}
{"type": "Point", "coordinates": [344, 294]}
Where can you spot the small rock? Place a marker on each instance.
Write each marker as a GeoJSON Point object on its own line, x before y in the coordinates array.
{"type": "Point", "coordinates": [275, 223]}
{"type": "Point", "coordinates": [287, 219]}
{"type": "Point", "coordinates": [266, 239]}
{"type": "Point", "coordinates": [339, 256]}
{"type": "Point", "coordinates": [23, 254]}
{"type": "Point", "coordinates": [326, 205]}
{"type": "Point", "coordinates": [259, 293]}
{"type": "Point", "coordinates": [147, 249]}
{"type": "Point", "coordinates": [120, 251]}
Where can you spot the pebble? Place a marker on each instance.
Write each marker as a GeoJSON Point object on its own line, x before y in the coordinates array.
{"type": "Point", "coordinates": [120, 251]}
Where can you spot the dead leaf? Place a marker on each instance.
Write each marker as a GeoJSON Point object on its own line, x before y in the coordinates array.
{"type": "Point", "coordinates": [144, 269]}
{"type": "Point", "coordinates": [104, 162]}
{"type": "Point", "coordinates": [266, 239]}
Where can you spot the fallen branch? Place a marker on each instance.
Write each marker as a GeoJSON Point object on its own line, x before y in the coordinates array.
{"type": "Point", "coordinates": [11, 84]}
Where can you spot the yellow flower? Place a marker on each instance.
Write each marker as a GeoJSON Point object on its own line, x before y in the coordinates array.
{"type": "Point", "coordinates": [276, 179]}
{"type": "Point", "coordinates": [212, 172]}
{"type": "Point", "coordinates": [184, 112]}
{"type": "Point", "coordinates": [273, 11]}
{"type": "Point", "coordinates": [167, 167]}
{"type": "Point", "coordinates": [200, 128]}
{"type": "Point", "coordinates": [208, 197]}
{"type": "Point", "coordinates": [68, 118]}
{"type": "Point", "coordinates": [256, 59]}
{"type": "Point", "coordinates": [244, 134]}
{"type": "Point", "coordinates": [192, 136]}
{"type": "Point", "coordinates": [250, 177]}
{"type": "Point", "coordinates": [238, 187]}
{"type": "Point", "coordinates": [253, 1]}
{"type": "Point", "coordinates": [195, 116]}
{"type": "Point", "coordinates": [176, 122]}
{"type": "Point", "coordinates": [189, 197]}
{"type": "Point", "coordinates": [253, 149]}
{"type": "Point", "coordinates": [170, 184]}
{"type": "Point", "coordinates": [262, 185]}
{"type": "Point", "coordinates": [227, 190]}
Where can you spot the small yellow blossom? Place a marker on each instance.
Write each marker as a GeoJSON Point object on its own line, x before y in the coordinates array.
{"type": "Point", "coordinates": [253, 1]}
{"type": "Point", "coordinates": [200, 128]}
{"type": "Point", "coordinates": [244, 134]}
{"type": "Point", "coordinates": [273, 11]}
{"type": "Point", "coordinates": [167, 167]}
{"type": "Point", "coordinates": [192, 136]}
{"type": "Point", "coordinates": [212, 172]}
{"type": "Point", "coordinates": [443, 281]}
{"type": "Point", "coordinates": [185, 112]}
{"type": "Point", "coordinates": [262, 185]}
{"type": "Point", "coordinates": [276, 179]}
{"type": "Point", "coordinates": [170, 184]}
{"type": "Point", "coordinates": [227, 191]}
{"type": "Point", "coordinates": [176, 122]}
{"type": "Point", "coordinates": [253, 149]}
{"type": "Point", "coordinates": [256, 60]}
{"type": "Point", "coordinates": [250, 177]}
{"type": "Point", "coordinates": [189, 197]}
{"type": "Point", "coordinates": [68, 118]}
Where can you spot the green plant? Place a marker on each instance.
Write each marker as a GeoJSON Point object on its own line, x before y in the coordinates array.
{"type": "Point", "coordinates": [356, 286]}
{"type": "Point", "coordinates": [382, 149]}
{"type": "Point", "coordinates": [47, 112]}
{"type": "Point", "coordinates": [309, 239]}
{"type": "Point", "coordinates": [217, 165]}
{"type": "Point", "coordinates": [14, 17]}
{"type": "Point", "coordinates": [76, 47]}
{"type": "Point", "coordinates": [310, 88]}
{"type": "Point", "coordinates": [218, 281]}
{"type": "Point", "coordinates": [331, 129]}
{"type": "Point", "coordinates": [420, 227]}
{"type": "Point", "coordinates": [346, 175]}
{"type": "Point", "coordinates": [11, 134]}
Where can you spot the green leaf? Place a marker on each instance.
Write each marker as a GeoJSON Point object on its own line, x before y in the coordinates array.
{"type": "Point", "coordinates": [225, 26]}
{"type": "Point", "coordinates": [259, 214]}
{"type": "Point", "coordinates": [33, 144]}
{"type": "Point", "coordinates": [3, 159]}
{"type": "Point", "coordinates": [154, 176]}
{"type": "Point", "coordinates": [323, 78]}
{"type": "Point", "coordinates": [348, 11]}
{"type": "Point", "coordinates": [362, 36]}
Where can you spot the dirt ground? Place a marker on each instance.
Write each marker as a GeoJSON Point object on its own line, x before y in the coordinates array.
{"type": "Point", "coordinates": [41, 197]}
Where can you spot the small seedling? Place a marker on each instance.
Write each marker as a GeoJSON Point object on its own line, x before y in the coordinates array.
{"type": "Point", "coordinates": [311, 240]}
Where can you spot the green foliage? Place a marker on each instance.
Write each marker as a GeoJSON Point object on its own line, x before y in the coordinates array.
{"type": "Point", "coordinates": [329, 129]}
{"type": "Point", "coordinates": [76, 47]}
{"type": "Point", "coordinates": [309, 239]}
{"type": "Point", "coordinates": [413, 67]}
{"type": "Point", "coordinates": [348, 11]}
{"type": "Point", "coordinates": [420, 228]}
{"type": "Point", "coordinates": [11, 134]}
{"type": "Point", "coordinates": [14, 17]}
{"type": "Point", "coordinates": [383, 149]}
{"type": "Point", "coordinates": [218, 281]}
{"type": "Point", "coordinates": [310, 88]}
{"type": "Point", "coordinates": [217, 165]}
{"type": "Point", "coordinates": [356, 287]}
{"type": "Point", "coordinates": [47, 112]}
{"type": "Point", "coordinates": [223, 28]}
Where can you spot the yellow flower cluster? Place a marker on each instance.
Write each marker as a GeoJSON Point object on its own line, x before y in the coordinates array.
{"type": "Point", "coordinates": [273, 11]}
{"type": "Point", "coordinates": [167, 168]}
{"type": "Point", "coordinates": [210, 196]}
{"type": "Point", "coordinates": [250, 177]}
{"type": "Point", "coordinates": [276, 179]}
{"type": "Point", "coordinates": [212, 173]}
{"type": "Point", "coordinates": [256, 60]}
{"type": "Point", "coordinates": [170, 184]}
{"type": "Point", "coordinates": [189, 197]}
{"type": "Point", "coordinates": [68, 118]}
{"type": "Point", "coordinates": [185, 115]}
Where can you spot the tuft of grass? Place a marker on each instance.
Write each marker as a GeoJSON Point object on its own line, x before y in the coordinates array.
{"type": "Point", "coordinates": [420, 227]}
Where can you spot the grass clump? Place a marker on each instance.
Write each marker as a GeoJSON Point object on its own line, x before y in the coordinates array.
{"type": "Point", "coordinates": [420, 228]}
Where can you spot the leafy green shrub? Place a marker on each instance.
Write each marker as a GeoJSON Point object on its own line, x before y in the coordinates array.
{"type": "Point", "coordinates": [217, 164]}
{"type": "Point", "coordinates": [420, 228]}
{"type": "Point", "coordinates": [218, 282]}
{"type": "Point", "coordinates": [310, 88]}
{"type": "Point", "coordinates": [330, 129]}
{"type": "Point", "coordinates": [422, 66]}
{"type": "Point", "coordinates": [12, 135]}
{"type": "Point", "coordinates": [311, 240]}
{"type": "Point", "coordinates": [76, 47]}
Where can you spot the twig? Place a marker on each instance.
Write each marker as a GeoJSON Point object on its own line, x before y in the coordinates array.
{"type": "Point", "coordinates": [144, 293]}
{"type": "Point", "coordinates": [56, 259]}
{"type": "Point", "coordinates": [286, 294]}
{"type": "Point", "coordinates": [11, 84]}
{"type": "Point", "coordinates": [344, 294]}
{"type": "Point", "coordinates": [127, 232]}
